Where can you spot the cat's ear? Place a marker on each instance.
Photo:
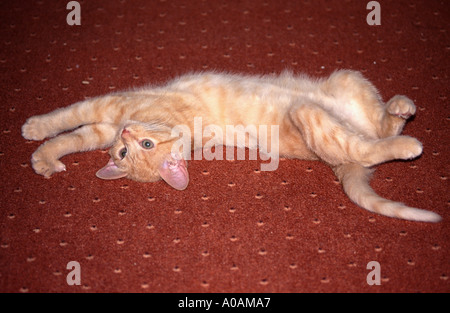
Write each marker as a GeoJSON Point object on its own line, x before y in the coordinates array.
{"type": "Point", "coordinates": [110, 171]}
{"type": "Point", "coordinates": [174, 171]}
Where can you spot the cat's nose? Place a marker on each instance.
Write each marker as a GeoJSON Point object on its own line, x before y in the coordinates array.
{"type": "Point", "coordinates": [125, 132]}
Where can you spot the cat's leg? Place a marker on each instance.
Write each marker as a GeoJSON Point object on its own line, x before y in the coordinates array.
{"type": "Point", "coordinates": [354, 100]}
{"type": "Point", "coordinates": [106, 109]}
{"type": "Point", "coordinates": [45, 159]}
{"type": "Point", "coordinates": [369, 114]}
{"type": "Point", "coordinates": [335, 143]}
{"type": "Point", "coordinates": [39, 127]}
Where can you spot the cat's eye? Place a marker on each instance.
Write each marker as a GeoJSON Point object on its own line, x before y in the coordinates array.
{"type": "Point", "coordinates": [123, 153]}
{"type": "Point", "coordinates": [147, 144]}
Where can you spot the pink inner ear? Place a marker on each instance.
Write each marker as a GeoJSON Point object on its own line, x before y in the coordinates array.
{"type": "Point", "coordinates": [110, 171]}
{"type": "Point", "coordinates": [175, 173]}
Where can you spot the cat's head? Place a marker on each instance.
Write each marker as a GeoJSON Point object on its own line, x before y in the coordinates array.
{"type": "Point", "coordinates": [142, 152]}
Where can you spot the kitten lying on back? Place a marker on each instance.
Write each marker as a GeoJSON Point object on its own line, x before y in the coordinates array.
{"type": "Point", "coordinates": [340, 120]}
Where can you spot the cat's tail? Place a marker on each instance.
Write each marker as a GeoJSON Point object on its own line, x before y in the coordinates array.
{"type": "Point", "coordinates": [355, 180]}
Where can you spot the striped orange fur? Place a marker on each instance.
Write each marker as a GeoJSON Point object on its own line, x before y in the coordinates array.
{"type": "Point", "coordinates": [340, 120]}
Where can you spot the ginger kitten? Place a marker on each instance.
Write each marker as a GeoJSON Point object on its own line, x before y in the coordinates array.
{"type": "Point", "coordinates": [340, 120]}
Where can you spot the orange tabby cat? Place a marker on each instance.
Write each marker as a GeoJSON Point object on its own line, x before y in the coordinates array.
{"type": "Point", "coordinates": [340, 120]}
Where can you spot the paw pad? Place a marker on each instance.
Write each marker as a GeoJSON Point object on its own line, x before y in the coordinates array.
{"type": "Point", "coordinates": [401, 106]}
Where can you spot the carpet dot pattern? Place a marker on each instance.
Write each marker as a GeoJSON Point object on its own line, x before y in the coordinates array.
{"type": "Point", "coordinates": [235, 228]}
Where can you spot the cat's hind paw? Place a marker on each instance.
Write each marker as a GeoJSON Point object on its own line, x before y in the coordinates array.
{"type": "Point", "coordinates": [401, 106]}
{"type": "Point", "coordinates": [46, 167]}
{"type": "Point", "coordinates": [408, 148]}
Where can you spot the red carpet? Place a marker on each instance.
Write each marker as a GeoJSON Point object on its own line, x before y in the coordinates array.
{"type": "Point", "coordinates": [233, 229]}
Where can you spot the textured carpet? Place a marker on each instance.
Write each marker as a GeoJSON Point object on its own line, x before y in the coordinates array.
{"type": "Point", "coordinates": [234, 229]}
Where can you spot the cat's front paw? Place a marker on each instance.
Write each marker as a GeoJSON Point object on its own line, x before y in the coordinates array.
{"type": "Point", "coordinates": [46, 166]}
{"type": "Point", "coordinates": [34, 129]}
{"type": "Point", "coordinates": [401, 106]}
